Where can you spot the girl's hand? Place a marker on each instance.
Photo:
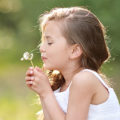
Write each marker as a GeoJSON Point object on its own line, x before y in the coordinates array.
{"type": "Point", "coordinates": [38, 81]}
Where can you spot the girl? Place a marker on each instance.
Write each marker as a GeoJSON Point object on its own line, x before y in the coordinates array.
{"type": "Point", "coordinates": [73, 43]}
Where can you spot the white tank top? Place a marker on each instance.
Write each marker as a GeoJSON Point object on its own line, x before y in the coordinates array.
{"type": "Point", "coordinates": [109, 110]}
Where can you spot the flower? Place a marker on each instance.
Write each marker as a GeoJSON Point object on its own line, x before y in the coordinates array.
{"type": "Point", "coordinates": [27, 56]}
{"type": "Point", "coordinates": [22, 59]}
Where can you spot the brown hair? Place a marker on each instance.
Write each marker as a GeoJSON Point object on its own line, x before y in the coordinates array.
{"type": "Point", "coordinates": [79, 26]}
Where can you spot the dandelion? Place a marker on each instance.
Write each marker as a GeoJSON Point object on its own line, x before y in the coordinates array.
{"type": "Point", "coordinates": [27, 56]}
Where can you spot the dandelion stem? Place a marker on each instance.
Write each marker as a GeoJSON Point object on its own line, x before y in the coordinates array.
{"type": "Point", "coordinates": [32, 63]}
{"type": "Point", "coordinates": [43, 69]}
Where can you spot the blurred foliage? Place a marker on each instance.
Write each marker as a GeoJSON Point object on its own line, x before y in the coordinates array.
{"type": "Point", "coordinates": [19, 32]}
{"type": "Point", "coordinates": [19, 27]}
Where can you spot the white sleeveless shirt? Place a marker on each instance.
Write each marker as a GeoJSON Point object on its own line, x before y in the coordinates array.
{"type": "Point", "coordinates": [109, 110]}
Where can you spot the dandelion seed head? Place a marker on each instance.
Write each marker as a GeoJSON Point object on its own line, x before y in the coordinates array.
{"type": "Point", "coordinates": [26, 55]}
{"type": "Point", "coordinates": [31, 56]}
{"type": "Point", "coordinates": [22, 59]}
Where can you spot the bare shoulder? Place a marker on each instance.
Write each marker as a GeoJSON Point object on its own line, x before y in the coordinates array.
{"type": "Point", "coordinates": [84, 79]}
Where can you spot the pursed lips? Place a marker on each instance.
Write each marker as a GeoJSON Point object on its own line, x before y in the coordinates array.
{"type": "Point", "coordinates": [43, 58]}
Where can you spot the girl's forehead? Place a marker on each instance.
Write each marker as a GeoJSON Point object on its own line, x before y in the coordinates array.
{"type": "Point", "coordinates": [47, 35]}
{"type": "Point", "coordinates": [52, 32]}
{"type": "Point", "coordinates": [52, 27]}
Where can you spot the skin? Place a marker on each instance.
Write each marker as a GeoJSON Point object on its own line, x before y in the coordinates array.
{"type": "Point", "coordinates": [63, 57]}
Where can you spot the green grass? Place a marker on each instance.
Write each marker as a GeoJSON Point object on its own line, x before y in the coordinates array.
{"type": "Point", "coordinates": [13, 108]}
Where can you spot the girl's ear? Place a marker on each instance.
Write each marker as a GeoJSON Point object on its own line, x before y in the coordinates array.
{"type": "Point", "coordinates": [76, 51]}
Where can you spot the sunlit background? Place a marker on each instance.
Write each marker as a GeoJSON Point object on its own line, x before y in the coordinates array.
{"type": "Point", "coordinates": [19, 32]}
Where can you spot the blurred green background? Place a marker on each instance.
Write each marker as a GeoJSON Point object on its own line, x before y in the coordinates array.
{"type": "Point", "coordinates": [19, 32]}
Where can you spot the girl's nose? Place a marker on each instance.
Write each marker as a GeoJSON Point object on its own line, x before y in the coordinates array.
{"type": "Point", "coordinates": [42, 48]}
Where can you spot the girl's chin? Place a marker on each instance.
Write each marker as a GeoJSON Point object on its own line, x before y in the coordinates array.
{"type": "Point", "coordinates": [46, 67]}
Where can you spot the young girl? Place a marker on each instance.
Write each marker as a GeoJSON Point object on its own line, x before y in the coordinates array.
{"type": "Point", "coordinates": [73, 43]}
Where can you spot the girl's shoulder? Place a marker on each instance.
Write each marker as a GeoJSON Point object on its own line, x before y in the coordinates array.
{"type": "Point", "coordinates": [86, 76]}
{"type": "Point", "coordinates": [88, 82]}
{"type": "Point", "coordinates": [84, 81]}
{"type": "Point", "coordinates": [90, 79]}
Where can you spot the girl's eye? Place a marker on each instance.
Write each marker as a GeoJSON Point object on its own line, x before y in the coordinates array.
{"type": "Point", "coordinates": [49, 43]}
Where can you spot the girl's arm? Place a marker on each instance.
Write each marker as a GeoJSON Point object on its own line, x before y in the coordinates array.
{"type": "Point", "coordinates": [37, 80]}
{"type": "Point", "coordinates": [51, 108]}
{"type": "Point", "coordinates": [45, 112]}
{"type": "Point", "coordinates": [81, 92]}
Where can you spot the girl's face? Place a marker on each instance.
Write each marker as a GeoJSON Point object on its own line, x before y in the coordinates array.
{"type": "Point", "coordinates": [54, 48]}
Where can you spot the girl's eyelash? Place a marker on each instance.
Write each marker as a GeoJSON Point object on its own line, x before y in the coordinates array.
{"type": "Point", "coordinates": [49, 43]}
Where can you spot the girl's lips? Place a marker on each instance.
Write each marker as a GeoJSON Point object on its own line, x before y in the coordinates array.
{"type": "Point", "coordinates": [43, 58]}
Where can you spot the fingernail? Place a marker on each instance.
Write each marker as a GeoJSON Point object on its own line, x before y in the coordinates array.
{"type": "Point", "coordinates": [31, 82]}
{"type": "Point", "coordinates": [32, 78]}
{"type": "Point", "coordinates": [31, 72]}
{"type": "Point", "coordinates": [31, 67]}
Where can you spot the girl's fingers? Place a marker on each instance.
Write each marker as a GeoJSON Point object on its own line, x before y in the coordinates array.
{"type": "Point", "coordinates": [31, 68]}
{"type": "Point", "coordinates": [27, 78]}
{"type": "Point", "coordinates": [29, 82]}
{"type": "Point", "coordinates": [30, 72]}
{"type": "Point", "coordinates": [38, 74]}
{"type": "Point", "coordinates": [38, 69]}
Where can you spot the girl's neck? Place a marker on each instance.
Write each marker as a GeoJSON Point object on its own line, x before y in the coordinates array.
{"type": "Point", "coordinates": [68, 75]}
